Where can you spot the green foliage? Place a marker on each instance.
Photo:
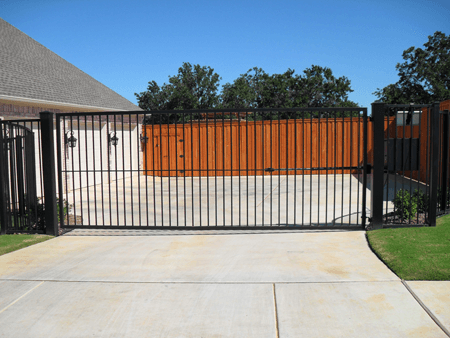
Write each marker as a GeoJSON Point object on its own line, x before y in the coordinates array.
{"type": "Point", "coordinates": [422, 200]}
{"type": "Point", "coordinates": [415, 253]}
{"type": "Point", "coordinates": [39, 213]}
{"type": "Point", "coordinates": [439, 196]}
{"type": "Point", "coordinates": [9, 243]}
{"type": "Point", "coordinates": [196, 87]}
{"type": "Point", "coordinates": [424, 76]}
{"type": "Point", "coordinates": [316, 88]}
{"type": "Point", "coordinates": [405, 205]}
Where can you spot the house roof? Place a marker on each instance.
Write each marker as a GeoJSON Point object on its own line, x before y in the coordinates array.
{"type": "Point", "coordinates": [30, 72]}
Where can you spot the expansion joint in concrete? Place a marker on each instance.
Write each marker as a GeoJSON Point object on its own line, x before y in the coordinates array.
{"type": "Point", "coordinates": [275, 311]}
{"type": "Point", "coordinates": [427, 310]}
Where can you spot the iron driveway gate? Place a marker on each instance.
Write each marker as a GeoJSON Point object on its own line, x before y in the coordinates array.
{"type": "Point", "coordinates": [211, 169]}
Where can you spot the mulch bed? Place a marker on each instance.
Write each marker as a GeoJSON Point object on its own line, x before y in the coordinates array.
{"type": "Point", "coordinates": [392, 218]}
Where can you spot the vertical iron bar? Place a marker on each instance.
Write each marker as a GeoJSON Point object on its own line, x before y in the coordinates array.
{"type": "Point", "coordinates": [160, 145]}
{"type": "Point", "coordinates": [101, 171]}
{"type": "Point", "coordinates": [343, 160]}
{"type": "Point", "coordinates": [350, 165]}
{"type": "Point", "coordinates": [364, 192]}
{"type": "Point", "coordinates": [231, 166]}
{"type": "Point", "coordinates": [184, 165]}
{"type": "Point", "coordinates": [153, 173]}
{"type": "Point", "coordinates": [169, 172]}
{"type": "Point", "coordinates": [444, 163]}
{"type": "Point", "coordinates": [80, 169]}
{"type": "Point", "coordinates": [319, 172]}
{"type": "Point", "coordinates": [247, 161]}
{"type": "Point", "coordinates": [176, 170]}
{"type": "Point", "coordinates": [207, 171]}
{"type": "Point", "coordinates": [4, 221]}
{"type": "Point", "coordinates": [192, 166]}
{"type": "Point", "coordinates": [271, 165]}
{"type": "Point", "coordinates": [311, 166]}
{"type": "Point", "coordinates": [131, 167]}
{"type": "Point", "coordinates": [60, 170]}
{"type": "Point", "coordinates": [223, 166]}
{"type": "Point", "coordinates": [255, 172]}
{"type": "Point", "coordinates": [200, 174]}
{"type": "Point", "coordinates": [326, 184]}
{"type": "Point", "coordinates": [335, 167]}
{"type": "Point", "coordinates": [239, 164]}
{"type": "Point", "coordinates": [434, 162]}
{"type": "Point", "coordinates": [378, 165]}
{"type": "Point", "coordinates": [215, 167]}
{"type": "Point", "coordinates": [51, 217]}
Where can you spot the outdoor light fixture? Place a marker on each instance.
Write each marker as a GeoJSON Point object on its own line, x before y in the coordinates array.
{"type": "Point", "coordinates": [143, 140]}
{"type": "Point", "coordinates": [71, 140]}
{"type": "Point", "coordinates": [113, 139]}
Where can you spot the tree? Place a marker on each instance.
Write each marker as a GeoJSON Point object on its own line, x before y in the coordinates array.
{"type": "Point", "coordinates": [316, 88]}
{"type": "Point", "coordinates": [424, 76]}
{"type": "Point", "coordinates": [195, 87]}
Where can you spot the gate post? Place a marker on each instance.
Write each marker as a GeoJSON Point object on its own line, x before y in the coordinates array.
{"type": "Point", "coordinates": [3, 200]}
{"type": "Point", "coordinates": [377, 185]}
{"type": "Point", "coordinates": [434, 170]}
{"type": "Point", "coordinates": [444, 163]}
{"type": "Point", "coordinates": [48, 158]}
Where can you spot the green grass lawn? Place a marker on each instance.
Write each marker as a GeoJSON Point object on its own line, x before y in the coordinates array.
{"type": "Point", "coordinates": [415, 253]}
{"type": "Point", "coordinates": [10, 243]}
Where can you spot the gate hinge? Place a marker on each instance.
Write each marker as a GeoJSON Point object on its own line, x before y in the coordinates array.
{"type": "Point", "coordinates": [368, 168]}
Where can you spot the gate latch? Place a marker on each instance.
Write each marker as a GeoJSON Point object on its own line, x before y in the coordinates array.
{"type": "Point", "coordinates": [269, 170]}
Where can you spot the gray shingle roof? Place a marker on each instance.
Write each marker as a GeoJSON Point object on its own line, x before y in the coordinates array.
{"type": "Point", "coordinates": [30, 70]}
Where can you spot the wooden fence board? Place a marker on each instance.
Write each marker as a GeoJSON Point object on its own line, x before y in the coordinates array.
{"type": "Point", "coordinates": [247, 148]}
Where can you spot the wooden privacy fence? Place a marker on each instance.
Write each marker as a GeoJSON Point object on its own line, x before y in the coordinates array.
{"type": "Point", "coordinates": [232, 148]}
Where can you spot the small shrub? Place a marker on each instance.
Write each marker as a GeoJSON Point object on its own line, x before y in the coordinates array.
{"type": "Point", "coordinates": [405, 206]}
{"type": "Point", "coordinates": [40, 212]}
{"type": "Point", "coordinates": [439, 196]}
{"type": "Point", "coordinates": [422, 200]}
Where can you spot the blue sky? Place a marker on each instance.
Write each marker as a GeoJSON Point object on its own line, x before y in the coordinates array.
{"type": "Point", "coordinates": [126, 44]}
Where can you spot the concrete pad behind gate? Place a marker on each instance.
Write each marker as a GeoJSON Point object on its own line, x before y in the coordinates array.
{"type": "Point", "coordinates": [262, 257]}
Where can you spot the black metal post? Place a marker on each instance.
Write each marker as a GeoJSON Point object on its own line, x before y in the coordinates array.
{"type": "Point", "coordinates": [48, 158]}
{"type": "Point", "coordinates": [434, 170]}
{"type": "Point", "coordinates": [3, 199]}
{"type": "Point", "coordinates": [444, 163]}
{"type": "Point", "coordinates": [377, 185]}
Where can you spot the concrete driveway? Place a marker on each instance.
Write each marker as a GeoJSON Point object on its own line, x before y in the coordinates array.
{"type": "Point", "coordinates": [212, 284]}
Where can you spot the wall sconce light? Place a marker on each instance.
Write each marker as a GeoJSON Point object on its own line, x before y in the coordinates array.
{"type": "Point", "coordinates": [143, 140]}
{"type": "Point", "coordinates": [113, 139]}
{"type": "Point", "coordinates": [71, 140]}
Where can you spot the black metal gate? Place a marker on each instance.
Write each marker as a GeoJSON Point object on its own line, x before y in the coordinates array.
{"type": "Point", "coordinates": [212, 169]}
{"type": "Point", "coordinates": [18, 199]}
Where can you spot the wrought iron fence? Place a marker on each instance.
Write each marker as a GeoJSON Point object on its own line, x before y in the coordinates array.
{"type": "Point", "coordinates": [261, 168]}
{"type": "Point", "coordinates": [21, 193]}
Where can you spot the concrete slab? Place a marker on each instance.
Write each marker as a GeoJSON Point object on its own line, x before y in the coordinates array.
{"type": "Point", "coordinates": [436, 297]}
{"type": "Point", "coordinates": [77, 309]}
{"type": "Point", "coordinates": [250, 258]}
{"type": "Point", "coordinates": [357, 309]}
{"type": "Point", "coordinates": [284, 200]}
{"type": "Point", "coordinates": [10, 292]}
